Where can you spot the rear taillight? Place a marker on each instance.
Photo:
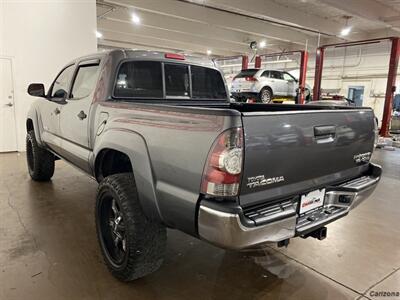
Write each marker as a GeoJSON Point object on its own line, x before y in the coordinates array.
{"type": "Point", "coordinates": [221, 176]}
{"type": "Point", "coordinates": [251, 79]}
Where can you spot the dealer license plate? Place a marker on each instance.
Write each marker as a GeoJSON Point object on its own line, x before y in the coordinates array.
{"type": "Point", "coordinates": [312, 200]}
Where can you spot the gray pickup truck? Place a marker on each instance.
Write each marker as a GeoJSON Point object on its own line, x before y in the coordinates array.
{"type": "Point", "coordinates": [157, 131]}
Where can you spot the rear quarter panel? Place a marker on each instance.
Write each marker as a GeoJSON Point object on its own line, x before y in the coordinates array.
{"type": "Point", "coordinates": [176, 141]}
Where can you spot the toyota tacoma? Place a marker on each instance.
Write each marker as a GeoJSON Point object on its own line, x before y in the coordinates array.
{"type": "Point", "coordinates": [169, 150]}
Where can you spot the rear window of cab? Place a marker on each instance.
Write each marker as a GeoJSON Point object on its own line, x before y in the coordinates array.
{"type": "Point", "coordinates": [247, 73]}
{"type": "Point", "coordinates": [162, 80]}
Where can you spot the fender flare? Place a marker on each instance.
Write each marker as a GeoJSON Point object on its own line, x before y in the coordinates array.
{"type": "Point", "coordinates": [33, 115]}
{"type": "Point", "coordinates": [134, 146]}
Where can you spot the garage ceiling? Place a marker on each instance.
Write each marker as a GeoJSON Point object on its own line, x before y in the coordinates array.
{"type": "Point", "coordinates": [226, 27]}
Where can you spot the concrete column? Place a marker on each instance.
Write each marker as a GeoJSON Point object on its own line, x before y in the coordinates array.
{"type": "Point", "coordinates": [41, 37]}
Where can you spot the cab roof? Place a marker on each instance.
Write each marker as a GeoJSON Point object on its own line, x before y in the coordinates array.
{"type": "Point", "coordinates": [151, 55]}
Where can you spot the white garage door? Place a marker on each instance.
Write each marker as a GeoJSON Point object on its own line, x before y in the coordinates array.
{"type": "Point", "coordinates": [8, 137]}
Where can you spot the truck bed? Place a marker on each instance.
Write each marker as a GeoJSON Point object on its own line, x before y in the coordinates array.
{"type": "Point", "coordinates": [297, 148]}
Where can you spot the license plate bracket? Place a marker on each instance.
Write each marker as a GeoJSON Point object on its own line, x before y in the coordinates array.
{"type": "Point", "coordinates": [311, 200]}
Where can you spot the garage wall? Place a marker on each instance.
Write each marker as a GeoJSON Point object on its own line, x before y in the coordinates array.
{"type": "Point", "coordinates": [365, 66]}
{"type": "Point", "coordinates": [41, 37]}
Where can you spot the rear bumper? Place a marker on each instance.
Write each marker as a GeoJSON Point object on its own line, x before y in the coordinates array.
{"type": "Point", "coordinates": [229, 228]}
{"type": "Point", "coordinates": [245, 94]}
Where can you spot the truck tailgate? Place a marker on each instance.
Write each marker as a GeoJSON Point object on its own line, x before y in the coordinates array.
{"type": "Point", "coordinates": [290, 152]}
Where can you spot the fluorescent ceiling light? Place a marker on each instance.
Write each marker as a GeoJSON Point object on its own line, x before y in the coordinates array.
{"type": "Point", "coordinates": [345, 31]}
{"type": "Point", "coordinates": [209, 52]}
{"type": "Point", "coordinates": [135, 19]}
{"type": "Point", "coordinates": [263, 44]}
{"type": "Point", "coordinates": [99, 35]}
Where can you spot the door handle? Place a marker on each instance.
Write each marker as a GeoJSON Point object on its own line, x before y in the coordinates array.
{"type": "Point", "coordinates": [82, 115]}
{"type": "Point", "coordinates": [323, 131]}
{"type": "Point", "coordinates": [57, 111]}
{"type": "Point", "coordinates": [10, 104]}
{"type": "Point", "coordinates": [325, 134]}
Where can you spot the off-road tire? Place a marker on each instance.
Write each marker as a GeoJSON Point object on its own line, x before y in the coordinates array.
{"type": "Point", "coordinates": [145, 240]}
{"type": "Point", "coordinates": [40, 161]}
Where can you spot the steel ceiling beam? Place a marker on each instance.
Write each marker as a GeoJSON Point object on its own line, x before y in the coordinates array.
{"type": "Point", "coordinates": [220, 19]}
{"type": "Point", "coordinates": [149, 42]}
{"type": "Point", "coordinates": [166, 35]}
{"type": "Point", "coordinates": [367, 9]}
{"type": "Point", "coordinates": [279, 13]}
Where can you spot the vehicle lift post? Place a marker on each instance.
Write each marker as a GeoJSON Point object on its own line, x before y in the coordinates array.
{"type": "Point", "coordinates": [303, 68]}
{"type": "Point", "coordinates": [245, 62]}
{"type": "Point", "coordinates": [303, 75]}
{"type": "Point", "coordinates": [257, 62]}
{"type": "Point", "coordinates": [390, 87]}
{"type": "Point", "coordinates": [392, 73]}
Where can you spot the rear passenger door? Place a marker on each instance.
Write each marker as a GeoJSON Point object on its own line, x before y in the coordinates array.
{"type": "Point", "coordinates": [264, 79]}
{"type": "Point", "coordinates": [277, 83]}
{"type": "Point", "coordinates": [291, 84]}
{"type": "Point", "coordinates": [74, 115]}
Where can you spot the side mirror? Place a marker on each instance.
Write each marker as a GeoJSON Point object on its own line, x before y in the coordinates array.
{"type": "Point", "coordinates": [36, 89]}
{"type": "Point", "coordinates": [60, 94]}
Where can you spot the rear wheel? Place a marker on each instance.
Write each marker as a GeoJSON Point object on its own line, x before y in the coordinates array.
{"type": "Point", "coordinates": [40, 161]}
{"type": "Point", "coordinates": [307, 95]}
{"type": "Point", "coordinates": [132, 245]}
{"type": "Point", "coordinates": [266, 95]}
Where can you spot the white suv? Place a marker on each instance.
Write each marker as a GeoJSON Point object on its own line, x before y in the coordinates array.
{"type": "Point", "coordinates": [264, 85]}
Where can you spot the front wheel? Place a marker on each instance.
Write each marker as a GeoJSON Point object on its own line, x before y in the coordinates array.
{"type": "Point", "coordinates": [40, 161]}
{"type": "Point", "coordinates": [132, 245]}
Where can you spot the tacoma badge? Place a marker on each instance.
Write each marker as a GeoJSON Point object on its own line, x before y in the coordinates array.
{"type": "Point", "coordinates": [362, 157]}
{"type": "Point", "coordinates": [260, 180]}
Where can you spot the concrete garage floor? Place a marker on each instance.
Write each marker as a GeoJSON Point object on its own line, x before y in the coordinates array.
{"type": "Point", "coordinates": [48, 249]}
